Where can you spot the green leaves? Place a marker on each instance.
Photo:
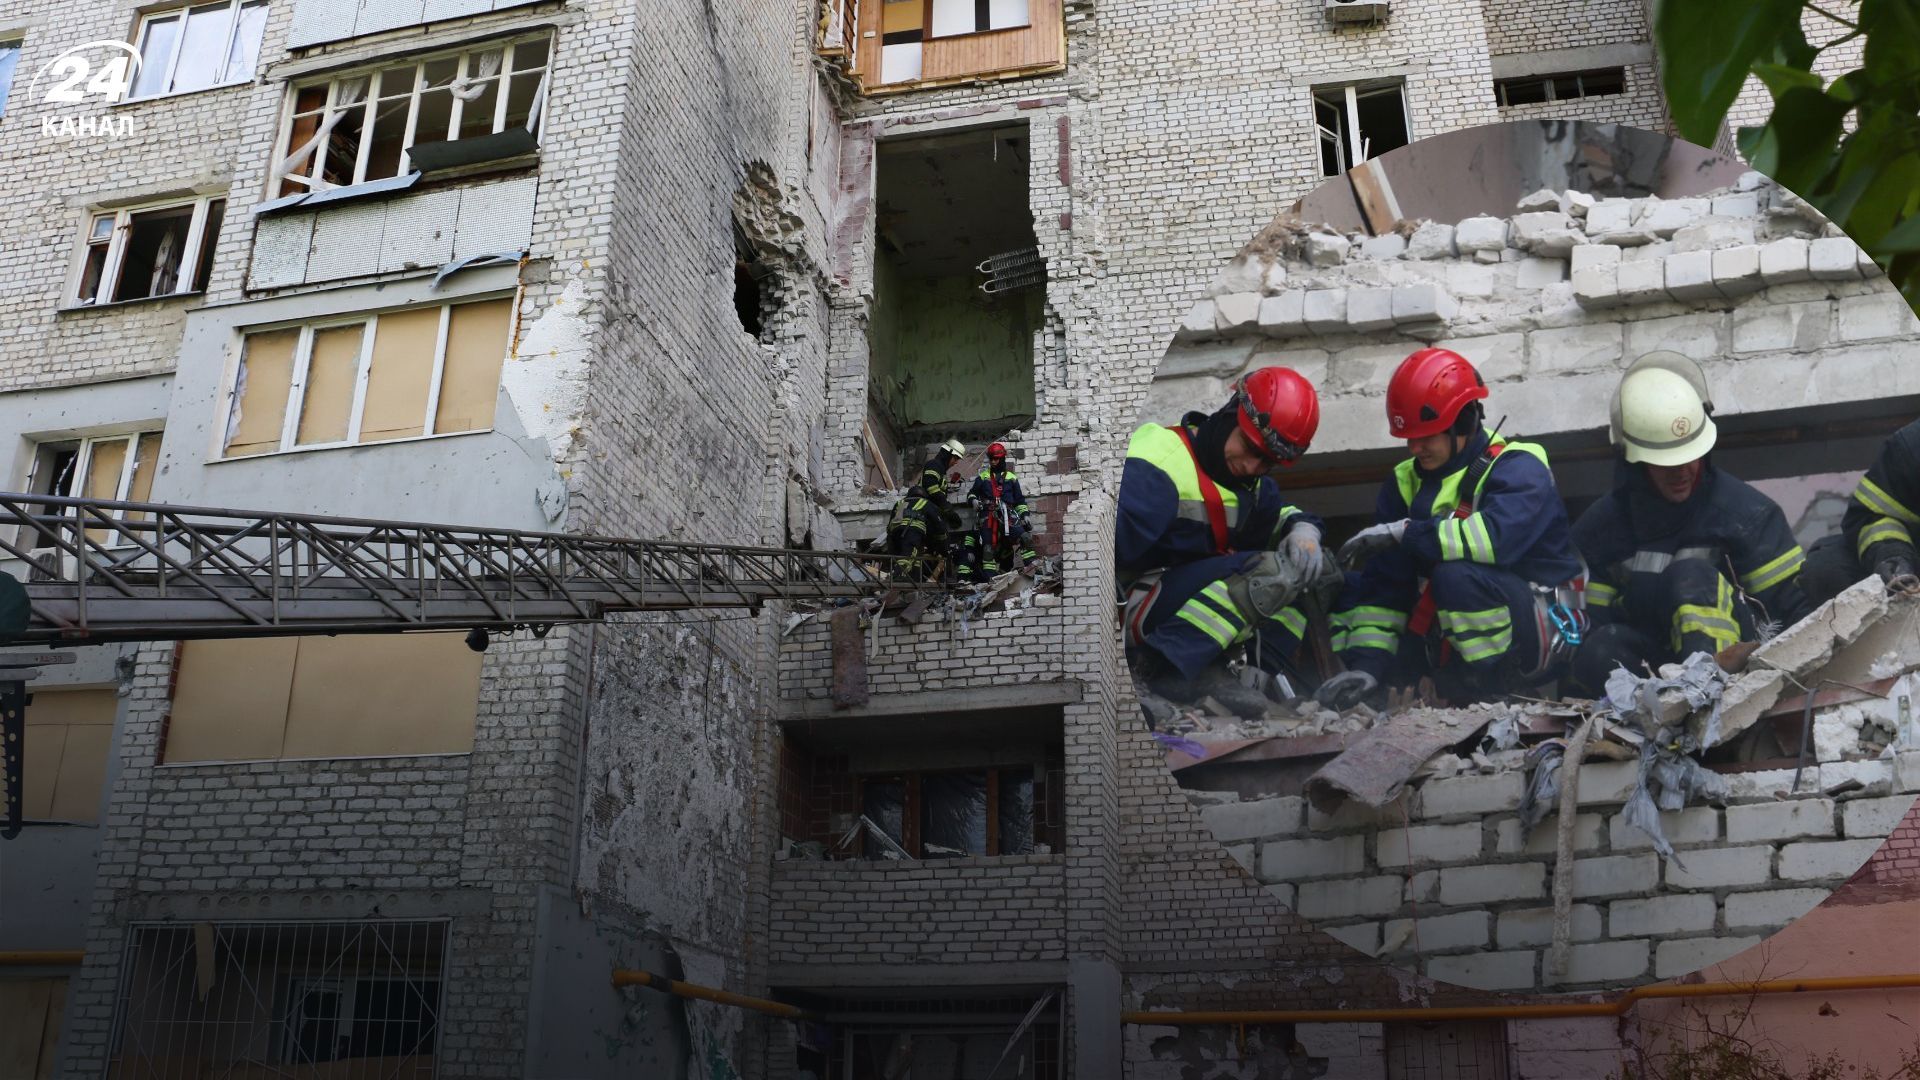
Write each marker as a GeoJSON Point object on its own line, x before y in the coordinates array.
{"type": "Point", "coordinates": [1707, 49]}
{"type": "Point", "coordinates": [1850, 147]}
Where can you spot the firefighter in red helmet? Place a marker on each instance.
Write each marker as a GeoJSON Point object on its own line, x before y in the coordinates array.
{"type": "Point", "coordinates": [1471, 572]}
{"type": "Point", "coordinates": [1001, 510]}
{"type": "Point", "coordinates": [1210, 555]}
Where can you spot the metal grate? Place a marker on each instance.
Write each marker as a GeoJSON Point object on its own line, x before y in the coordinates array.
{"type": "Point", "coordinates": [122, 571]}
{"type": "Point", "coordinates": [280, 1001]}
{"type": "Point", "coordinates": [1457, 1050]}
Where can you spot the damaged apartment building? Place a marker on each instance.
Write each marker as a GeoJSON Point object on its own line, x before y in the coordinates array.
{"type": "Point", "coordinates": [721, 273]}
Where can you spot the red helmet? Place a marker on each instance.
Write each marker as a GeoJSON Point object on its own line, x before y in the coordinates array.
{"type": "Point", "coordinates": [1428, 392]}
{"type": "Point", "coordinates": [997, 452]}
{"type": "Point", "coordinates": [1278, 411]}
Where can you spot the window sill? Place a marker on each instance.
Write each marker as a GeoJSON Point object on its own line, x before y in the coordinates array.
{"type": "Point", "coordinates": [75, 309]}
{"type": "Point", "coordinates": [323, 447]}
{"type": "Point", "coordinates": [126, 103]}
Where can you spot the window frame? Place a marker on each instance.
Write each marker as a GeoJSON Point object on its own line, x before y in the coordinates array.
{"type": "Point", "coordinates": [1354, 153]}
{"type": "Point", "coordinates": [184, 13]}
{"type": "Point", "coordinates": [18, 43]}
{"type": "Point", "coordinates": [1550, 78]}
{"type": "Point", "coordinates": [83, 458]}
{"type": "Point", "coordinates": [304, 177]}
{"type": "Point", "coordinates": [193, 245]}
{"type": "Point", "coordinates": [302, 359]}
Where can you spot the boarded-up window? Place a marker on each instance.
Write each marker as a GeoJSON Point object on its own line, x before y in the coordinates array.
{"type": "Point", "coordinates": [397, 375]}
{"type": "Point", "coordinates": [312, 697]}
{"type": "Point", "coordinates": [69, 734]}
{"type": "Point", "coordinates": [31, 1031]}
{"type": "Point", "coordinates": [103, 467]}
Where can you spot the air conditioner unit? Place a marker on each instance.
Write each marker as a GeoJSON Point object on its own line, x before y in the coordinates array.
{"type": "Point", "coordinates": [1357, 12]}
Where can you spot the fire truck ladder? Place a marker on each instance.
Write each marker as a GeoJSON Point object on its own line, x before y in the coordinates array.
{"type": "Point", "coordinates": [100, 571]}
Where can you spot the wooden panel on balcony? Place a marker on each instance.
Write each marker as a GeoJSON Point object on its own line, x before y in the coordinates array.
{"type": "Point", "coordinates": [1034, 46]}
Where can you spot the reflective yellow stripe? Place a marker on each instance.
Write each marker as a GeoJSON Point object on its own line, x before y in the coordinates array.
{"type": "Point", "coordinates": [1599, 595]}
{"type": "Point", "coordinates": [1448, 496]}
{"type": "Point", "coordinates": [1368, 615]}
{"type": "Point", "coordinates": [1882, 529]}
{"type": "Point", "coordinates": [1479, 541]}
{"type": "Point", "coordinates": [1490, 619]}
{"type": "Point", "coordinates": [1475, 649]}
{"type": "Point", "coordinates": [1777, 571]}
{"type": "Point", "coordinates": [1199, 615]}
{"type": "Point", "coordinates": [1370, 639]}
{"type": "Point", "coordinates": [1875, 498]}
{"type": "Point", "coordinates": [1448, 534]}
{"type": "Point", "coordinates": [1217, 592]}
{"type": "Point", "coordinates": [1717, 622]}
{"type": "Point", "coordinates": [1295, 622]}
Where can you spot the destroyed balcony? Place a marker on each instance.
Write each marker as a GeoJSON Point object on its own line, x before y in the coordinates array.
{"type": "Point", "coordinates": [911, 44]}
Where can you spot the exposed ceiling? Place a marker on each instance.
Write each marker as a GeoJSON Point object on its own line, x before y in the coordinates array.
{"type": "Point", "coordinates": [948, 201]}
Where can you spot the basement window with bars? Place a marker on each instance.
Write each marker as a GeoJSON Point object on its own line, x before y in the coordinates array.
{"type": "Point", "coordinates": [291, 1000]}
{"type": "Point", "coordinates": [436, 114]}
{"type": "Point", "coordinates": [1565, 86]}
{"type": "Point", "coordinates": [188, 48]}
{"type": "Point", "coordinates": [369, 378]}
{"type": "Point", "coordinates": [1358, 122]}
{"type": "Point", "coordinates": [148, 252]}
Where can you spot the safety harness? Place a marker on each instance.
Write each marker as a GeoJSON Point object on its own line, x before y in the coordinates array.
{"type": "Point", "coordinates": [1422, 618]}
{"type": "Point", "coordinates": [1209, 494]}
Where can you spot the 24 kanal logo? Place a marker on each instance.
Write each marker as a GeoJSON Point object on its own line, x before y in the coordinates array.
{"type": "Point", "coordinates": [74, 80]}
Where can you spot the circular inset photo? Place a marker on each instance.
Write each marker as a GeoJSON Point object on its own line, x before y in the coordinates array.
{"type": "Point", "coordinates": [1517, 557]}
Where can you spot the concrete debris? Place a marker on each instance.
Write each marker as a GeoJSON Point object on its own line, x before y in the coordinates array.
{"type": "Point", "coordinates": [1375, 769]}
{"type": "Point", "coordinates": [1544, 199]}
{"type": "Point", "coordinates": [1812, 641]}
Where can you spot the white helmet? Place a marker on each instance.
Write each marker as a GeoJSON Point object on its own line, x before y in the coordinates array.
{"type": "Point", "coordinates": [1661, 412]}
{"type": "Point", "coordinates": [954, 447]}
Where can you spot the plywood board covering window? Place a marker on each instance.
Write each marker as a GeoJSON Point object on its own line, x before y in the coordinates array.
{"type": "Point", "coordinates": [69, 734]}
{"type": "Point", "coordinates": [31, 1035]}
{"type": "Point", "coordinates": [395, 375]}
{"type": "Point", "coordinates": [315, 697]}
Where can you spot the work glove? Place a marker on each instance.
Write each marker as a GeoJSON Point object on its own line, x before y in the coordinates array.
{"type": "Point", "coordinates": [1345, 690]}
{"type": "Point", "coordinates": [1302, 548]}
{"type": "Point", "coordinates": [1371, 541]}
{"type": "Point", "coordinates": [1898, 572]}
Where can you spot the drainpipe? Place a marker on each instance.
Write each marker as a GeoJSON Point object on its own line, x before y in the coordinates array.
{"type": "Point", "coordinates": [630, 977]}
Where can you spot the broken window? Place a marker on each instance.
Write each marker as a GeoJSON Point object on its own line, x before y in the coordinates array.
{"type": "Point", "coordinates": [118, 467]}
{"type": "Point", "coordinates": [1566, 86]}
{"type": "Point", "coordinates": [435, 113]}
{"type": "Point", "coordinates": [748, 271]}
{"type": "Point", "coordinates": [68, 735]}
{"type": "Point", "coordinates": [902, 29]}
{"type": "Point", "coordinates": [1358, 122]}
{"type": "Point", "coordinates": [9, 60]}
{"type": "Point", "coordinates": [959, 292]}
{"type": "Point", "coordinates": [955, 813]}
{"type": "Point", "coordinates": [153, 251]}
{"type": "Point", "coordinates": [394, 375]}
{"type": "Point", "coordinates": [900, 43]}
{"type": "Point", "coordinates": [192, 48]}
{"type": "Point", "coordinates": [379, 695]}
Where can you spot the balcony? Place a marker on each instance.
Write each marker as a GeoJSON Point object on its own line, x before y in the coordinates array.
{"type": "Point", "coordinates": [888, 46]}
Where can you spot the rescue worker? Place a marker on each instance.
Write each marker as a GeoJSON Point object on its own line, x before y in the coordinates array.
{"type": "Point", "coordinates": [907, 531]}
{"type": "Point", "coordinates": [1685, 558]}
{"type": "Point", "coordinates": [1876, 534]}
{"type": "Point", "coordinates": [1210, 556]}
{"type": "Point", "coordinates": [936, 479]}
{"type": "Point", "coordinates": [997, 488]}
{"type": "Point", "coordinates": [1471, 547]}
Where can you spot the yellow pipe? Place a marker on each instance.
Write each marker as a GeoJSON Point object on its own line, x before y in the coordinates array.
{"type": "Point", "coordinates": [41, 958]}
{"type": "Point", "coordinates": [630, 977]}
{"type": "Point", "coordinates": [1617, 1007]}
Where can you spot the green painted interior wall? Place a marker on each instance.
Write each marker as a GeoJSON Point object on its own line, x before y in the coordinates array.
{"type": "Point", "coordinates": [946, 358]}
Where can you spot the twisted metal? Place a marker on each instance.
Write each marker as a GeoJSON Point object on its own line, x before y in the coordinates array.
{"type": "Point", "coordinates": [101, 571]}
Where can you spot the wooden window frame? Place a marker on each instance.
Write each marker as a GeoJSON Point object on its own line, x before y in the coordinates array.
{"type": "Point", "coordinates": [303, 356]}
{"type": "Point", "coordinates": [308, 178]}
{"type": "Point", "coordinates": [927, 34]}
{"type": "Point", "coordinates": [184, 12]}
{"type": "Point", "coordinates": [115, 243]}
{"type": "Point", "coordinates": [910, 779]}
{"type": "Point", "coordinates": [1549, 79]}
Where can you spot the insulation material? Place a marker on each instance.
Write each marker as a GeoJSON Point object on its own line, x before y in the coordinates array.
{"type": "Point", "coordinates": [419, 230]}
{"type": "Point", "coordinates": [217, 717]}
{"type": "Point", "coordinates": [346, 242]}
{"type": "Point", "coordinates": [315, 21]}
{"type": "Point", "coordinates": [495, 217]}
{"type": "Point", "coordinates": [65, 763]}
{"type": "Point", "coordinates": [349, 693]}
{"type": "Point", "coordinates": [434, 10]}
{"type": "Point", "coordinates": [260, 395]}
{"type": "Point", "coordinates": [470, 373]}
{"type": "Point", "coordinates": [333, 369]}
{"type": "Point", "coordinates": [377, 15]}
{"type": "Point", "coordinates": [1376, 768]}
{"type": "Point", "coordinates": [849, 659]}
{"type": "Point", "coordinates": [401, 374]}
{"type": "Point", "coordinates": [953, 814]}
{"type": "Point", "coordinates": [546, 378]}
{"type": "Point", "coordinates": [280, 247]}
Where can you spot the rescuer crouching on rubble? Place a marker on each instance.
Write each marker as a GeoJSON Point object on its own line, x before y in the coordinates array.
{"type": "Point", "coordinates": [1209, 554]}
{"type": "Point", "coordinates": [1472, 548]}
{"type": "Point", "coordinates": [1876, 534]}
{"type": "Point", "coordinates": [918, 528]}
{"type": "Point", "coordinates": [1685, 558]}
{"type": "Point", "coordinates": [1004, 519]}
